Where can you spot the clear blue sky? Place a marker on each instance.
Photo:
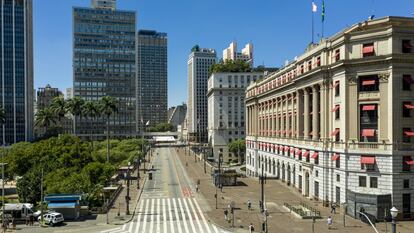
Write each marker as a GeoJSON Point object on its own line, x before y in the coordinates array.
{"type": "Point", "coordinates": [279, 30]}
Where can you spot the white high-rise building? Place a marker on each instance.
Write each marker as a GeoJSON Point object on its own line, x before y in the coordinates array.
{"type": "Point", "coordinates": [199, 63]}
{"type": "Point", "coordinates": [246, 54]}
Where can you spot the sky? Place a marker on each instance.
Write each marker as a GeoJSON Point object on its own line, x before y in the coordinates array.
{"type": "Point", "coordinates": [278, 29]}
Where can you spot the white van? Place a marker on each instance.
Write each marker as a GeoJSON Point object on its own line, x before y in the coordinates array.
{"type": "Point", "coordinates": [52, 218]}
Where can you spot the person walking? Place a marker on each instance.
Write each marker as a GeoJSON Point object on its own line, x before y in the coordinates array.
{"type": "Point", "coordinates": [330, 222]}
{"type": "Point", "coordinates": [251, 228]}
{"type": "Point", "coordinates": [226, 213]}
{"type": "Point", "coordinates": [249, 205]}
{"type": "Point", "coordinates": [197, 188]}
{"type": "Point", "coordinates": [333, 208]}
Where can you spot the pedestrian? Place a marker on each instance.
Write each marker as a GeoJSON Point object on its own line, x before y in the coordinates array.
{"type": "Point", "coordinates": [197, 188]}
{"type": "Point", "coordinates": [221, 188]}
{"type": "Point", "coordinates": [333, 208]}
{"type": "Point", "coordinates": [251, 228]}
{"type": "Point", "coordinates": [249, 205]}
{"type": "Point", "coordinates": [226, 212]}
{"type": "Point", "coordinates": [330, 222]}
{"type": "Point", "coordinates": [261, 206]}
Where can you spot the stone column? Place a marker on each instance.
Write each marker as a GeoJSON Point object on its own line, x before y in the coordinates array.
{"type": "Point", "coordinates": [315, 115]}
{"type": "Point", "coordinates": [299, 114]}
{"type": "Point", "coordinates": [282, 119]}
{"type": "Point", "coordinates": [277, 117]}
{"type": "Point", "coordinates": [293, 124]}
{"type": "Point", "coordinates": [306, 114]}
{"type": "Point", "coordinates": [288, 126]}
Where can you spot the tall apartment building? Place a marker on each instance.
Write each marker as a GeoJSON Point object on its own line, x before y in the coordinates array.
{"type": "Point", "coordinates": [152, 73]}
{"type": "Point", "coordinates": [337, 123]}
{"type": "Point", "coordinates": [104, 64]}
{"type": "Point", "coordinates": [45, 96]}
{"type": "Point", "coordinates": [199, 63]}
{"type": "Point", "coordinates": [246, 54]}
{"type": "Point", "coordinates": [16, 70]}
{"type": "Point", "coordinates": [226, 110]}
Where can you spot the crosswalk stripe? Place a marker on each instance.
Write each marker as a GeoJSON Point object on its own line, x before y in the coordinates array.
{"type": "Point", "coordinates": [189, 214]}
{"type": "Point", "coordinates": [214, 228]}
{"type": "Point", "coordinates": [158, 216]}
{"type": "Point", "coordinates": [196, 215]}
{"type": "Point", "coordinates": [171, 219]}
{"type": "Point", "coordinates": [111, 230]}
{"type": "Point", "coordinates": [183, 215]}
{"type": "Point", "coordinates": [180, 230]}
{"type": "Point", "coordinates": [141, 205]}
{"type": "Point", "coordinates": [202, 216]}
{"type": "Point", "coordinates": [145, 214]}
{"type": "Point", "coordinates": [152, 215]}
{"type": "Point", "coordinates": [164, 216]}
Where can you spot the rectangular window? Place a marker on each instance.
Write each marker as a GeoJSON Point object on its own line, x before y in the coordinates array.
{"type": "Point", "coordinates": [337, 55]}
{"type": "Point", "coordinates": [407, 106]}
{"type": "Point", "coordinates": [368, 50]}
{"type": "Point", "coordinates": [362, 181]}
{"type": "Point", "coordinates": [338, 178]}
{"type": "Point", "coordinates": [407, 134]}
{"type": "Point", "coordinates": [309, 65]}
{"type": "Point", "coordinates": [407, 161]}
{"type": "Point", "coordinates": [407, 81]}
{"type": "Point", "coordinates": [373, 182]}
{"type": "Point", "coordinates": [338, 162]}
{"type": "Point", "coordinates": [368, 83]}
{"type": "Point", "coordinates": [318, 61]}
{"type": "Point", "coordinates": [406, 46]}
{"type": "Point", "coordinates": [336, 87]}
{"type": "Point", "coordinates": [337, 112]}
{"type": "Point", "coordinates": [406, 184]}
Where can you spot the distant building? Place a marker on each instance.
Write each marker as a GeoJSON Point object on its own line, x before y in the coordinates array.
{"type": "Point", "coordinates": [16, 65]}
{"type": "Point", "coordinates": [152, 73]}
{"type": "Point", "coordinates": [199, 63]}
{"type": "Point", "coordinates": [246, 54]}
{"type": "Point", "coordinates": [104, 64]}
{"type": "Point", "coordinates": [226, 110]}
{"type": "Point", "coordinates": [45, 96]}
{"type": "Point", "coordinates": [69, 93]}
{"type": "Point", "coordinates": [176, 115]}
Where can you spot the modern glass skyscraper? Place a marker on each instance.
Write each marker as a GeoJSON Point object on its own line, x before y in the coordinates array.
{"type": "Point", "coordinates": [104, 63]}
{"type": "Point", "coordinates": [152, 77]}
{"type": "Point", "coordinates": [16, 70]}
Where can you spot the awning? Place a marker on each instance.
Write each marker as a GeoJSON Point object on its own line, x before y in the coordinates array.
{"type": "Point", "coordinates": [410, 162]}
{"type": "Point", "coordinates": [408, 78]}
{"type": "Point", "coordinates": [335, 157]}
{"type": "Point", "coordinates": [368, 132]}
{"type": "Point", "coordinates": [334, 133]}
{"type": "Point", "coordinates": [368, 49]}
{"type": "Point", "coordinates": [315, 155]}
{"type": "Point", "coordinates": [409, 106]}
{"type": "Point", "coordinates": [298, 152]}
{"type": "Point", "coordinates": [286, 148]}
{"type": "Point", "coordinates": [367, 160]}
{"type": "Point", "coordinates": [368, 107]}
{"type": "Point", "coordinates": [335, 84]}
{"type": "Point", "coordinates": [292, 149]}
{"type": "Point", "coordinates": [306, 154]}
{"type": "Point", "coordinates": [63, 205]}
{"type": "Point", "coordinates": [368, 82]}
{"type": "Point", "coordinates": [409, 133]}
{"type": "Point", "coordinates": [335, 108]}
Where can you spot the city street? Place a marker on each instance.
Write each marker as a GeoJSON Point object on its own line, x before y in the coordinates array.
{"type": "Point", "coordinates": [169, 202]}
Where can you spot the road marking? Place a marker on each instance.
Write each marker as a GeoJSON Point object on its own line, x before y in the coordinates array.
{"type": "Point", "coordinates": [152, 215]}
{"type": "Point", "coordinates": [164, 216]}
{"type": "Point", "coordinates": [180, 230]}
{"type": "Point", "coordinates": [196, 215]}
{"type": "Point", "coordinates": [191, 220]}
{"type": "Point", "coordinates": [214, 228]}
{"type": "Point", "coordinates": [158, 216]}
{"type": "Point", "coordinates": [202, 216]}
{"type": "Point", "coordinates": [183, 214]}
{"type": "Point", "coordinates": [170, 213]}
{"type": "Point", "coordinates": [145, 214]}
{"type": "Point", "coordinates": [141, 205]}
{"type": "Point", "coordinates": [115, 229]}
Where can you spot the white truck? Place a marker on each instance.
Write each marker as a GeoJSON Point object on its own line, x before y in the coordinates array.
{"type": "Point", "coordinates": [18, 211]}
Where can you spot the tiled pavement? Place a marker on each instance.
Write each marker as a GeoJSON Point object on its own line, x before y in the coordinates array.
{"type": "Point", "coordinates": [276, 193]}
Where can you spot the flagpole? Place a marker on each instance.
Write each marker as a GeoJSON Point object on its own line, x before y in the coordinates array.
{"type": "Point", "coordinates": [323, 17]}
{"type": "Point", "coordinates": [312, 23]}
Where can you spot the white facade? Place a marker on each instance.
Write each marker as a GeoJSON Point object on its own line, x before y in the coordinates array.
{"type": "Point", "coordinates": [226, 116]}
{"type": "Point", "coordinates": [246, 54]}
{"type": "Point", "coordinates": [199, 63]}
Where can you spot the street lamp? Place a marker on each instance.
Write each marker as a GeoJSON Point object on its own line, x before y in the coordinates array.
{"type": "Point", "coordinates": [394, 213]}
{"type": "Point", "coordinates": [138, 176]}
{"type": "Point", "coordinates": [127, 195]}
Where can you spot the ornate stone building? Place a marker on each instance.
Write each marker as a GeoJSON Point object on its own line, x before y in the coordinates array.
{"type": "Point", "coordinates": [337, 122]}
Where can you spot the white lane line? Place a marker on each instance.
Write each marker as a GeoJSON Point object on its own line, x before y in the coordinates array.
{"type": "Point", "coordinates": [158, 216]}
{"type": "Point", "coordinates": [196, 215]}
{"type": "Point", "coordinates": [214, 228]}
{"type": "Point", "coordinates": [145, 215]}
{"type": "Point", "coordinates": [138, 217]}
{"type": "Point", "coordinates": [183, 214]}
{"type": "Point", "coordinates": [189, 214]}
{"type": "Point", "coordinates": [180, 230]}
{"type": "Point", "coordinates": [152, 216]}
{"type": "Point", "coordinates": [202, 216]}
{"type": "Point", "coordinates": [115, 229]}
{"type": "Point", "coordinates": [170, 214]}
{"type": "Point", "coordinates": [164, 216]}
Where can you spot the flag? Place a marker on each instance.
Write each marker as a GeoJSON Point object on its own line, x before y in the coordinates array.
{"type": "Point", "coordinates": [314, 7]}
{"type": "Point", "coordinates": [323, 11]}
{"type": "Point", "coordinates": [147, 123]}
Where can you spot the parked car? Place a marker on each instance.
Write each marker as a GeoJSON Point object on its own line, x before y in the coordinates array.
{"type": "Point", "coordinates": [52, 218]}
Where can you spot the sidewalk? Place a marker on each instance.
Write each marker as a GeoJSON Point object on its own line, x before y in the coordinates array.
{"type": "Point", "coordinates": [276, 192]}
{"type": "Point", "coordinates": [117, 214]}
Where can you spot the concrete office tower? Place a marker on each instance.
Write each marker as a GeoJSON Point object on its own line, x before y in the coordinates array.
{"type": "Point", "coordinates": [176, 115]}
{"type": "Point", "coordinates": [246, 55]}
{"type": "Point", "coordinates": [226, 110]}
{"type": "Point", "coordinates": [337, 123]}
{"type": "Point", "coordinates": [199, 63]}
{"type": "Point", "coordinates": [104, 4]}
{"type": "Point", "coordinates": [45, 96]}
{"type": "Point", "coordinates": [152, 86]}
{"type": "Point", "coordinates": [16, 70]}
{"type": "Point", "coordinates": [104, 63]}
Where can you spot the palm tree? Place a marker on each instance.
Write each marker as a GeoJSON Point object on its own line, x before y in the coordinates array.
{"type": "Point", "coordinates": [108, 107]}
{"type": "Point", "coordinates": [58, 106]}
{"type": "Point", "coordinates": [91, 110]}
{"type": "Point", "coordinates": [75, 106]}
{"type": "Point", "coordinates": [45, 118]}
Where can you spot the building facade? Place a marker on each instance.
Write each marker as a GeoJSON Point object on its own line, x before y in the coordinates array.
{"type": "Point", "coordinates": [337, 123]}
{"type": "Point", "coordinates": [199, 63]}
{"type": "Point", "coordinates": [45, 96]}
{"type": "Point", "coordinates": [16, 70]}
{"type": "Point", "coordinates": [176, 115]}
{"type": "Point", "coordinates": [152, 84]}
{"type": "Point", "coordinates": [245, 55]}
{"type": "Point", "coordinates": [104, 64]}
{"type": "Point", "coordinates": [226, 110]}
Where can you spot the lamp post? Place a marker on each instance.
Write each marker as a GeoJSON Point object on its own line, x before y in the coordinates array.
{"type": "Point", "coordinates": [394, 213]}
{"type": "Point", "coordinates": [127, 195]}
{"type": "Point", "coordinates": [138, 176]}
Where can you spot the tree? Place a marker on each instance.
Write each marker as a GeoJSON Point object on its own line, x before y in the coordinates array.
{"type": "Point", "coordinates": [92, 111]}
{"type": "Point", "coordinates": [161, 127]}
{"type": "Point", "coordinates": [230, 66]}
{"type": "Point", "coordinates": [58, 106]}
{"type": "Point", "coordinates": [45, 118]}
{"type": "Point", "coordinates": [75, 107]}
{"type": "Point", "coordinates": [108, 106]}
{"type": "Point", "coordinates": [238, 147]}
